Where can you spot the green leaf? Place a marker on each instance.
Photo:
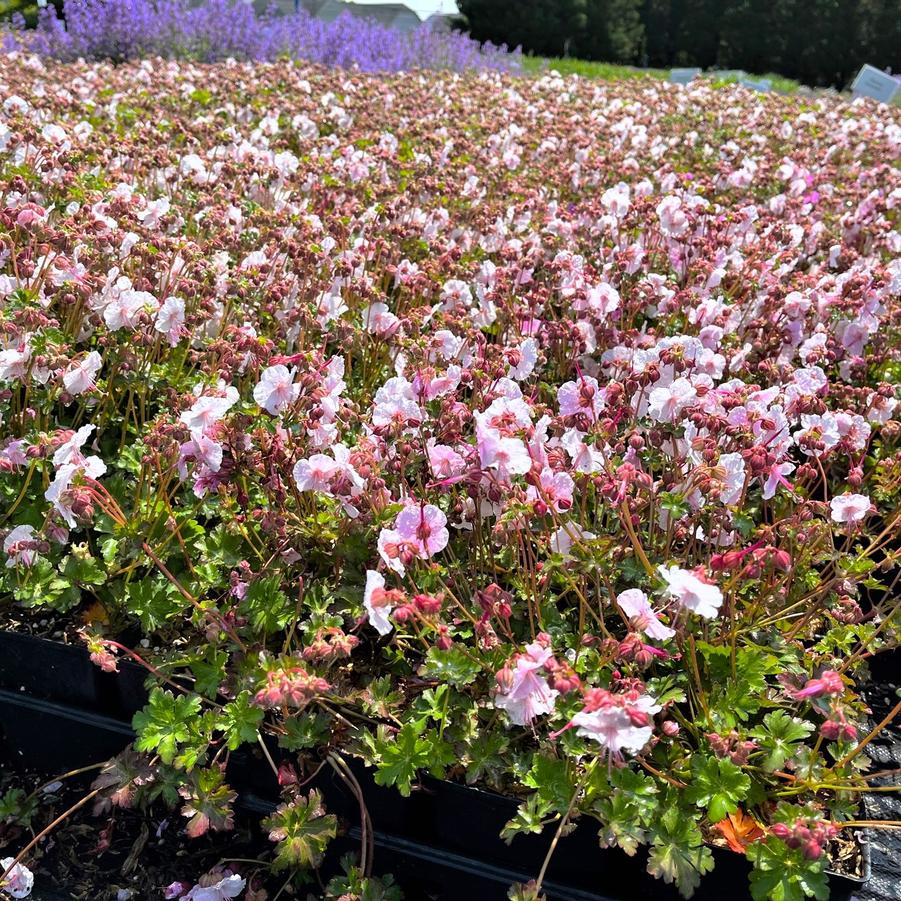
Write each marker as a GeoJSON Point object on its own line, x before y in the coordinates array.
{"type": "Point", "coordinates": [401, 756]}
{"type": "Point", "coordinates": [783, 874]}
{"type": "Point", "coordinates": [780, 737]}
{"type": "Point", "coordinates": [267, 607]}
{"type": "Point", "coordinates": [153, 602]}
{"type": "Point", "coordinates": [305, 729]}
{"type": "Point", "coordinates": [302, 830]}
{"type": "Point", "coordinates": [678, 853]}
{"type": "Point", "coordinates": [485, 757]}
{"type": "Point", "coordinates": [679, 863]}
{"type": "Point", "coordinates": [529, 818]}
{"type": "Point", "coordinates": [717, 784]}
{"type": "Point", "coordinates": [166, 723]}
{"type": "Point", "coordinates": [552, 779]}
{"type": "Point", "coordinates": [80, 568]}
{"type": "Point", "coordinates": [453, 667]}
{"type": "Point", "coordinates": [239, 720]}
{"type": "Point", "coordinates": [208, 803]}
{"type": "Point", "coordinates": [628, 805]}
{"type": "Point", "coordinates": [209, 673]}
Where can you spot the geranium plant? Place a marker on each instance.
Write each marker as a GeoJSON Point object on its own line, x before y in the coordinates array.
{"type": "Point", "coordinates": [533, 433]}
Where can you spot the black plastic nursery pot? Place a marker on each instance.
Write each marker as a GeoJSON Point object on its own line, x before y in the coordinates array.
{"type": "Point", "coordinates": [54, 671]}
{"type": "Point", "coordinates": [59, 712]}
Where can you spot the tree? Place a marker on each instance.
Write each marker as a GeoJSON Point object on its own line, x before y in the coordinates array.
{"type": "Point", "coordinates": [545, 27]}
{"type": "Point", "coordinates": [696, 25]}
{"type": "Point", "coordinates": [614, 31]}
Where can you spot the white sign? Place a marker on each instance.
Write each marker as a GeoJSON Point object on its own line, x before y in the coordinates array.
{"type": "Point", "coordinates": [683, 76]}
{"type": "Point", "coordinates": [765, 84]}
{"type": "Point", "coordinates": [871, 82]}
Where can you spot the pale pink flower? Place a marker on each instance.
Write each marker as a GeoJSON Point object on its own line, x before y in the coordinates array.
{"type": "Point", "coordinates": [58, 490]}
{"type": "Point", "coordinates": [583, 396]}
{"type": "Point", "coordinates": [379, 320]}
{"type": "Point", "coordinates": [506, 456]}
{"type": "Point", "coordinates": [207, 452]}
{"type": "Point", "coordinates": [334, 476]}
{"type": "Point", "coordinates": [585, 457]}
{"type": "Point", "coordinates": [775, 477]}
{"type": "Point", "coordinates": [125, 307]}
{"type": "Point", "coordinates": [423, 526]}
{"type": "Point", "coordinates": [602, 299]}
{"type": "Point", "coordinates": [617, 722]}
{"type": "Point", "coordinates": [666, 403]}
{"type": "Point", "coordinates": [444, 461]}
{"type": "Point", "coordinates": [634, 603]}
{"type": "Point", "coordinates": [223, 890]}
{"type": "Point", "coordinates": [276, 389]}
{"type": "Point", "coordinates": [690, 592]}
{"type": "Point", "coordinates": [527, 353]}
{"type": "Point", "coordinates": [524, 692]}
{"type": "Point", "coordinates": [153, 212]}
{"type": "Point", "coordinates": [566, 536]}
{"type": "Point", "coordinates": [315, 473]}
{"type": "Point", "coordinates": [555, 489]}
{"type": "Point", "coordinates": [732, 467]}
{"type": "Point", "coordinates": [20, 547]}
{"type": "Point", "coordinates": [208, 410]}
{"type": "Point", "coordinates": [14, 362]}
{"type": "Point", "coordinates": [508, 413]}
{"type": "Point", "coordinates": [70, 451]}
{"type": "Point", "coordinates": [19, 881]}
{"type": "Point", "coordinates": [79, 377]}
{"type": "Point", "coordinates": [170, 320]}
{"type": "Point", "coordinates": [13, 454]}
{"type": "Point", "coordinates": [849, 508]}
{"type": "Point", "coordinates": [854, 429]}
{"type": "Point", "coordinates": [378, 612]}
{"type": "Point", "coordinates": [616, 200]}
{"type": "Point", "coordinates": [395, 403]}
{"type": "Point", "coordinates": [455, 295]}
{"type": "Point", "coordinates": [673, 221]}
{"type": "Point", "coordinates": [420, 530]}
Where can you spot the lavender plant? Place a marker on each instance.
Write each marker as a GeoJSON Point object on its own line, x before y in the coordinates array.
{"type": "Point", "coordinates": [121, 30]}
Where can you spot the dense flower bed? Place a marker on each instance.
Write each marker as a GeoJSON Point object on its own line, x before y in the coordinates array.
{"type": "Point", "coordinates": [533, 433]}
{"type": "Point", "coordinates": [219, 29]}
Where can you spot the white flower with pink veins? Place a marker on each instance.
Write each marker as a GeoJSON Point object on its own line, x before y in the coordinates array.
{"type": "Point", "coordinates": [673, 221]}
{"type": "Point", "coordinates": [70, 451]}
{"type": "Point", "coordinates": [170, 320]}
{"type": "Point", "coordinates": [208, 410]}
{"type": "Point", "coordinates": [583, 396]}
{"type": "Point", "coordinates": [692, 593]}
{"type": "Point", "coordinates": [57, 491]}
{"type": "Point", "coordinates": [224, 890]}
{"type": "Point", "coordinates": [79, 377]}
{"type": "Point", "coordinates": [618, 722]}
{"type": "Point", "coordinates": [125, 307]}
{"type": "Point", "coordinates": [374, 601]}
{"type": "Point", "coordinates": [634, 603]}
{"type": "Point", "coordinates": [849, 508]}
{"type": "Point", "coordinates": [524, 692]}
{"type": "Point", "coordinates": [276, 389]}
{"type": "Point", "coordinates": [20, 547]}
{"type": "Point", "coordinates": [14, 361]}
{"type": "Point", "coordinates": [18, 882]}
{"type": "Point", "coordinates": [322, 473]}
{"type": "Point", "coordinates": [665, 404]}
{"type": "Point", "coordinates": [506, 456]}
